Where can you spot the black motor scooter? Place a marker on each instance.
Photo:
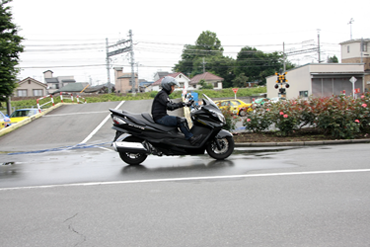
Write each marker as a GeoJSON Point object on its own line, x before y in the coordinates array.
{"type": "Point", "coordinates": [137, 135]}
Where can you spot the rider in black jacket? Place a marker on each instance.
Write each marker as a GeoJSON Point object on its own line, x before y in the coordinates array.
{"type": "Point", "coordinates": [162, 103]}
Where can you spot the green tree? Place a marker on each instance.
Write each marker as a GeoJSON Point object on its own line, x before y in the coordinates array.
{"type": "Point", "coordinates": [222, 67]}
{"type": "Point", "coordinates": [257, 65]}
{"type": "Point", "coordinates": [205, 85]}
{"type": "Point", "coordinates": [332, 59]}
{"type": "Point", "coordinates": [10, 47]}
{"type": "Point", "coordinates": [240, 81]}
{"type": "Point", "coordinates": [206, 46]}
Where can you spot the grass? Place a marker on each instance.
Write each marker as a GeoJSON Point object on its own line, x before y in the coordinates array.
{"type": "Point", "coordinates": [224, 93]}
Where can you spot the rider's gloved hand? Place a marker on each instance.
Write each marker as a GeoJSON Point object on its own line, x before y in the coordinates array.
{"type": "Point", "coordinates": [189, 103]}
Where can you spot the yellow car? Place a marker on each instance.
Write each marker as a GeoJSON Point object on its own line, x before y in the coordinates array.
{"type": "Point", "coordinates": [22, 114]}
{"type": "Point", "coordinates": [237, 106]}
{"type": "Point", "coordinates": [4, 121]}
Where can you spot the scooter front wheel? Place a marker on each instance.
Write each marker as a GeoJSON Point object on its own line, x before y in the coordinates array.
{"type": "Point", "coordinates": [222, 150]}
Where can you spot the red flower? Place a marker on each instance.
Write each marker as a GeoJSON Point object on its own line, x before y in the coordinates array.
{"type": "Point", "coordinates": [248, 120]}
{"type": "Point", "coordinates": [364, 105]}
{"type": "Point", "coordinates": [285, 115]}
{"type": "Point", "coordinates": [267, 109]}
{"type": "Point", "coordinates": [357, 121]}
{"type": "Point", "coordinates": [281, 113]}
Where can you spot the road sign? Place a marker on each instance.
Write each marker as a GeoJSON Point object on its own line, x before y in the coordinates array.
{"type": "Point", "coordinates": [357, 90]}
{"type": "Point", "coordinates": [235, 90]}
{"type": "Point", "coordinates": [353, 80]}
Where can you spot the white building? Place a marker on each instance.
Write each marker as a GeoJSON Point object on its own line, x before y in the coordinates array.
{"type": "Point", "coordinates": [319, 80]}
{"type": "Point", "coordinates": [180, 77]}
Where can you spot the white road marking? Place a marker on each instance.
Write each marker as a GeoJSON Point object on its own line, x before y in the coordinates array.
{"type": "Point", "coordinates": [190, 179]}
{"type": "Point", "coordinates": [100, 125]}
{"type": "Point", "coordinates": [73, 113]}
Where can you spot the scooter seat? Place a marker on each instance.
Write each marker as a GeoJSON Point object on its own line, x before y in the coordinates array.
{"type": "Point", "coordinates": [149, 118]}
{"type": "Point", "coordinates": [144, 119]}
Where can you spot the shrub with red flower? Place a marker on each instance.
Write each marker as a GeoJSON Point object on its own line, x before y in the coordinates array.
{"type": "Point", "coordinates": [339, 116]}
{"type": "Point", "coordinates": [258, 120]}
{"type": "Point", "coordinates": [230, 118]}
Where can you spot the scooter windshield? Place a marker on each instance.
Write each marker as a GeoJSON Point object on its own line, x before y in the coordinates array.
{"type": "Point", "coordinates": [209, 101]}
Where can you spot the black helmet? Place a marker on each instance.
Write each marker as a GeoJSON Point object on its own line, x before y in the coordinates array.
{"type": "Point", "coordinates": [167, 82]}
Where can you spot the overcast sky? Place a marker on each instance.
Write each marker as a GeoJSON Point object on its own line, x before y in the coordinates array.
{"type": "Point", "coordinates": [69, 36]}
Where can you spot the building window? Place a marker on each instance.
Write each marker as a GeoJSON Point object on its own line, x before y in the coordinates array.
{"type": "Point", "coordinates": [364, 47]}
{"type": "Point", "coordinates": [22, 92]}
{"type": "Point", "coordinates": [37, 92]}
{"type": "Point", "coordinates": [303, 94]}
{"type": "Point", "coordinates": [347, 48]}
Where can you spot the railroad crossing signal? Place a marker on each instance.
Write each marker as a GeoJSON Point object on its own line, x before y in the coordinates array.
{"type": "Point", "coordinates": [281, 83]}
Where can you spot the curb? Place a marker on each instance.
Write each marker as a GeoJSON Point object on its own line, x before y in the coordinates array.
{"type": "Point", "coordinates": [30, 119]}
{"type": "Point", "coordinates": [306, 143]}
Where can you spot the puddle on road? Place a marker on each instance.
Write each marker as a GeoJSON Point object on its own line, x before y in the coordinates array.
{"type": "Point", "coordinates": [73, 166]}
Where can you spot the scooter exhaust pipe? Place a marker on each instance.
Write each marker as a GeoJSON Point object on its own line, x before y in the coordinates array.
{"type": "Point", "coordinates": [131, 147]}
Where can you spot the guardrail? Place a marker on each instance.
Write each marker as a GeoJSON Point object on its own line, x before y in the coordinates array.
{"type": "Point", "coordinates": [61, 99]}
{"type": "Point", "coordinates": [61, 96]}
{"type": "Point", "coordinates": [78, 101]}
{"type": "Point", "coordinates": [38, 105]}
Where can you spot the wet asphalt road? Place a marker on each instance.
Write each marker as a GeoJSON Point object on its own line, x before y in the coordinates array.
{"type": "Point", "coordinates": [307, 196]}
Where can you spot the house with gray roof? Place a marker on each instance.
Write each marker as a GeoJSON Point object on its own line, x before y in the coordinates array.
{"type": "Point", "coordinates": [55, 83]}
{"type": "Point", "coordinates": [30, 87]}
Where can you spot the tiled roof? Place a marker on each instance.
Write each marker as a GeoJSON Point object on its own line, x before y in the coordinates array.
{"type": "Point", "coordinates": [72, 87]}
{"type": "Point", "coordinates": [162, 73]}
{"type": "Point", "coordinates": [205, 76]}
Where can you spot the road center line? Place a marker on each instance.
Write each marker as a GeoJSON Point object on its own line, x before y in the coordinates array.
{"type": "Point", "coordinates": [190, 179]}
{"type": "Point", "coordinates": [100, 125]}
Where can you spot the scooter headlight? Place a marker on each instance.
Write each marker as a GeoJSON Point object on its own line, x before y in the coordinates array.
{"type": "Point", "coordinates": [218, 115]}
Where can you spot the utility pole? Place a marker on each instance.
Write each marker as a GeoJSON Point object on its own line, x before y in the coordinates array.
{"type": "Point", "coordinates": [109, 87]}
{"type": "Point", "coordinates": [362, 48]}
{"type": "Point", "coordinates": [132, 63]}
{"type": "Point", "coordinates": [284, 55]}
{"type": "Point", "coordinates": [318, 44]}
{"type": "Point", "coordinates": [204, 69]}
{"type": "Point", "coordinates": [350, 26]}
{"type": "Point", "coordinates": [116, 52]}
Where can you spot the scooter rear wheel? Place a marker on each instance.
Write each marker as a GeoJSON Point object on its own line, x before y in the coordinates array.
{"type": "Point", "coordinates": [132, 158]}
{"type": "Point", "coordinates": [226, 145]}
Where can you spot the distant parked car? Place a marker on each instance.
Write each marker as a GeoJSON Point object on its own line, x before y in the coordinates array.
{"type": "Point", "coordinates": [261, 101]}
{"type": "Point", "coordinates": [276, 99]}
{"type": "Point", "coordinates": [4, 121]}
{"type": "Point", "coordinates": [237, 106]}
{"type": "Point", "coordinates": [22, 114]}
